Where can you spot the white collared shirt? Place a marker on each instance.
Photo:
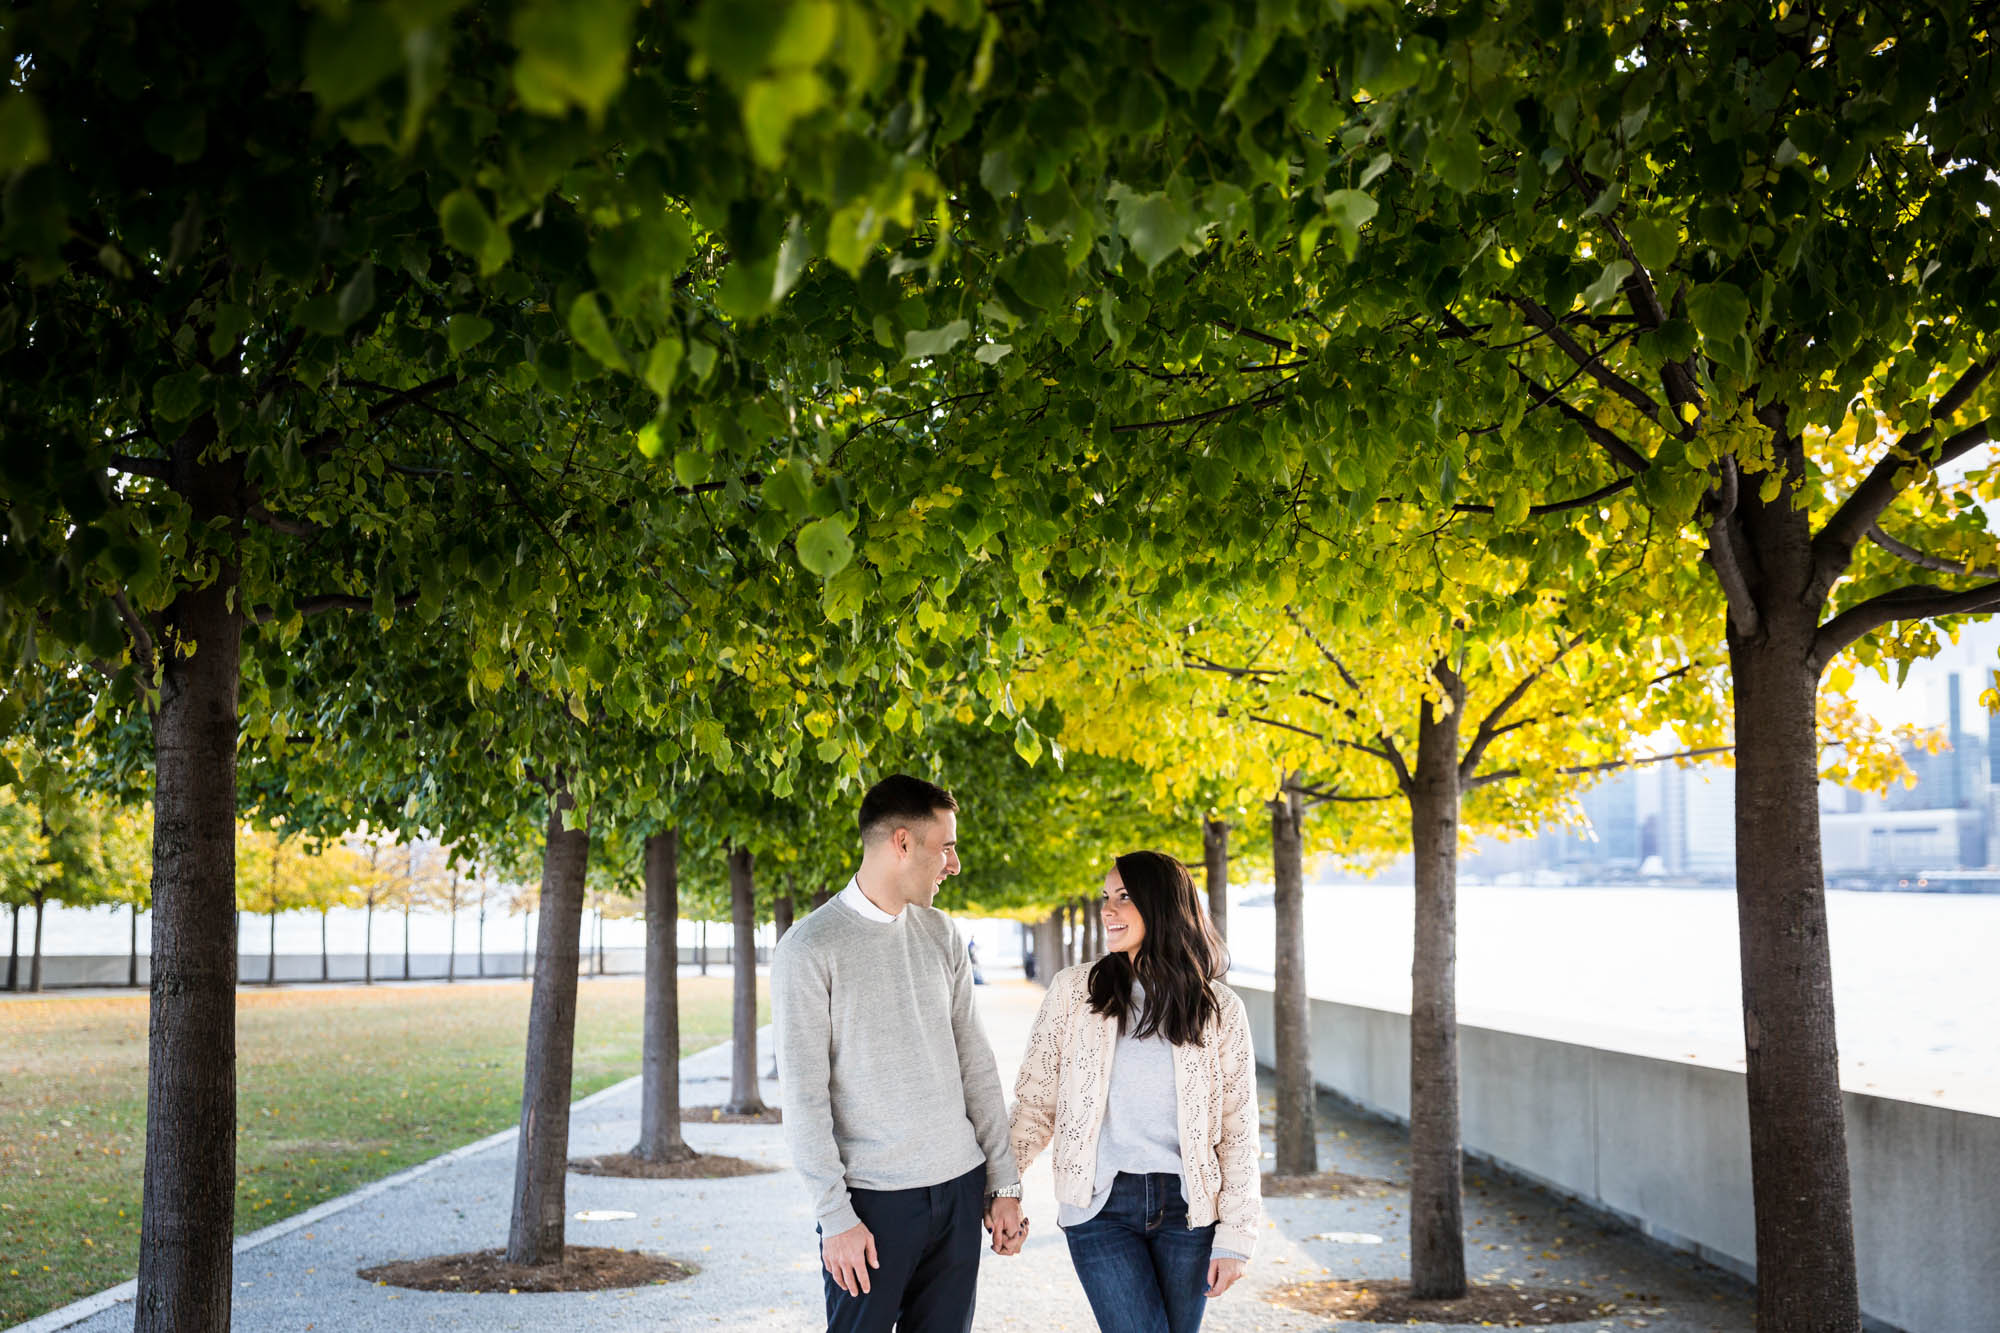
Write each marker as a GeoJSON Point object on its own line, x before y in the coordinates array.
{"type": "Point", "coordinates": [853, 897]}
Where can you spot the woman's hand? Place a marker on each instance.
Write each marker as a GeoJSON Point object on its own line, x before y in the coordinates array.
{"type": "Point", "coordinates": [1222, 1275]}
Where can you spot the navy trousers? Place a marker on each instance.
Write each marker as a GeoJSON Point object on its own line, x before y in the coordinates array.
{"type": "Point", "coordinates": [928, 1242]}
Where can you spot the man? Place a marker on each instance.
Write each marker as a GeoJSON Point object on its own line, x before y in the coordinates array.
{"type": "Point", "coordinates": [893, 1105]}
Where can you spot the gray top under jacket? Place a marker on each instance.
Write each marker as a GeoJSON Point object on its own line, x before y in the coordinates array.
{"type": "Point", "coordinates": [887, 1079]}
{"type": "Point", "coordinates": [1142, 1126]}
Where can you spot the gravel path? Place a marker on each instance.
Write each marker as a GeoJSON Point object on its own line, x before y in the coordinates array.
{"type": "Point", "coordinates": [753, 1240]}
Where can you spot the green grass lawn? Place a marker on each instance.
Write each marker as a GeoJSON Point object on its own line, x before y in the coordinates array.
{"type": "Point", "coordinates": [335, 1088]}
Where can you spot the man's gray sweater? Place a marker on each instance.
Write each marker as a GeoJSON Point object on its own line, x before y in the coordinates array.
{"type": "Point", "coordinates": [888, 1081]}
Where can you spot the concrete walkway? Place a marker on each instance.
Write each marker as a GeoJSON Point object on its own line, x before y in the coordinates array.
{"type": "Point", "coordinates": [753, 1240]}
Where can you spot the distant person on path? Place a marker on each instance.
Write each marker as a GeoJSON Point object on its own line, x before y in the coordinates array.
{"type": "Point", "coordinates": [1140, 1069]}
{"type": "Point", "coordinates": [893, 1106]}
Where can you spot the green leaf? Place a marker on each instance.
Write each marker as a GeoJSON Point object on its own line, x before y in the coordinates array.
{"type": "Point", "coordinates": [466, 331]}
{"type": "Point", "coordinates": [773, 105]}
{"type": "Point", "coordinates": [991, 353]}
{"type": "Point", "coordinates": [587, 325]}
{"type": "Point", "coordinates": [1720, 310]}
{"type": "Point", "coordinates": [1348, 210]}
{"type": "Point", "coordinates": [1606, 288]}
{"type": "Point", "coordinates": [1026, 743]}
{"type": "Point", "coordinates": [1455, 158]}
{"type": "Point", "coordinates": [356, 295]}
{"type": "Point", "coordinates": [846, 593]}
{"type": "Point", "coordinates": [177, 397]}
{"type": "Point", "coordinates": [1654, 240]}
{"type": "Point", "coordinates": [573, 53]}
{"type": "Point", "coordinates": [471, 230]}
{"type": "Point", "coordinates": [1153, 224]}
{"type": "Point", "coordinates": [824, 547]}
{"type": "Point", "coordinates": [24, 136]}
{"type": "Point", "coordinates": [346, 57]}
{"type": "Point", "coordinates": [690, 467]}
{"type": "Point", "coordinates": [918, 344]}
{"type": "Point", "coordinates": [662, 362]}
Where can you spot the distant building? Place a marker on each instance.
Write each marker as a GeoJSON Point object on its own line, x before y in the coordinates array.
{"type": "Point", "coordinates": [1698, 821]}
{"type": "Point", "coordinates": [1899, 840]}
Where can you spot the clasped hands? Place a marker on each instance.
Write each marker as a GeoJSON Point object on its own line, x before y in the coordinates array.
{"type": "Point", "coordinates": [850, 1254]}
{"type": "Point", "coordinates": [1008, 1225]}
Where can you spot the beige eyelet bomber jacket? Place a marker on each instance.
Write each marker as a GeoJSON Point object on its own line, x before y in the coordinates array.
{"type": "Point", "coordinates": [1061, 1091]}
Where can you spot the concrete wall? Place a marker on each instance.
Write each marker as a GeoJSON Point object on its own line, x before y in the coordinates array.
{"type": "Point", "coordinates": [1664, 1145]}
{"type": "Point", "coordinates": [71, 970]}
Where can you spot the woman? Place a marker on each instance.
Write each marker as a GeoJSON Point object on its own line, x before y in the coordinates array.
{"type": "Point", "coordinates": [1140, 1069]}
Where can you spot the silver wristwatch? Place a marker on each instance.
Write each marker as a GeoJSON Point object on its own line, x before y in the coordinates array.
{"type": "Point", "coordinates": [1010, 1192]}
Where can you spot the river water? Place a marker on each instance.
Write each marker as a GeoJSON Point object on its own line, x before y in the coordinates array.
{"type": "Point", "coordinates": [1648, 970]}
{"type": "Point", "coordinates": [1654, 971]}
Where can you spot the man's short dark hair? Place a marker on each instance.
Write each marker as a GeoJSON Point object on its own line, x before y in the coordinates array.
{"type": "Point", "coordinates": [900, 799]}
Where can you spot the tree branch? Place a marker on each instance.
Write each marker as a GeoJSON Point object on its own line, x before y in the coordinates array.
{"type": "Point", "coordinates": [156, 468]}
{"type": "Point", "coordinates": [1559, 506]}
{"type": "Point", "coordinates": [142, 640]}
{"type": "Point", "coordinates": [1316, 796]}
{"type": "Point", "coordinates": [1722, 556]}
{"type": "Point", "coordinates": [1622, 452]}
{"type": "Point", "coordinates": [1255, 336]}
{"type": "Point", "coordinates": [1924, 560]}
{"type": "Point", "coordinates": [1262, 400]}
{"type": "Point", "coordinates": [334, 601]}
{"type": "Point", "coordinates": [1501, 775]}
{"type": "Point", "coordinates": [1468, 764]}
{"type": "Point", "coordinates": [291, 527]}
{"type": "Point", "coordinates": [1833, 548]}
{"type": "Point", "coordinates": [1592, 366]}
{"type": "Point", "coordinates": [1917, 601]}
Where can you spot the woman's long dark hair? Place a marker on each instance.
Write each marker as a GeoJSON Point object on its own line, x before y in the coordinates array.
{"type": "Point", "coordinates": [1178, 958]}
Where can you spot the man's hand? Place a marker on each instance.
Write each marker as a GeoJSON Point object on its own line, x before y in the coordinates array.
{"type": "Point", "coordinates": [1009, 1227]}
{"type": "Point", "coordinates": [1222, 1275]}
{"type": "Point", "coordinates": [849, 1256]}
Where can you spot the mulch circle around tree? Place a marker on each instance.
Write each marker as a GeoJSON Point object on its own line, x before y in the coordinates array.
{"type": "Point", "coordinates": [583, 1268]}
{"type": "Point", "coordinates": [696, 1166]}
{"type": "Point", "coordinates": [1387, 1301]}
{"type": "Point", "coordinates": [1326, 1185]}
{"type": "Point", "coordinates": [716, 1115]}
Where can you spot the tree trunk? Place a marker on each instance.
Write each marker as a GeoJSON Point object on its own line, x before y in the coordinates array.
{"type": "Point", "coordinates": [821, 899]}
{"type": "Point", "coordinates": [325, 973]}
{"type": "Point", "coordinates": [1215, 859]}
{"type": "Point", "coordinates": [1798, 1147]}
{"type": "Point", "coordinates": [481, 970]}
{"type": "Point", "coordinates": [1437, 1222]}
{"type": "Point", "coordinates": [271, 949]}
{"type": "Point", "coordinates": [188, 1198]}
{"type": "Point", "coordinates": [1093, 911]}
{"type": "Point", "coordinates": [1297, 1148]}
{"type": "Point", "coordinates": [14, 953]}
{"type": "Point", "coordinates": [701, 948]}
{"type": "Point", "coordinates": [660, 1050]}
{"type": "Point", "coordinates": [451, 954]}
{"type": "Point", "coordinates": [406, 940]}
{"type": "Point", "coordinates": [541, 1161]}
{"type": "Point", "coordinates": [743, 1094]}
{"type": "Point", "coordinates": [35, 959]}
{"type": "Point", "coordinates": [132, 956]}
{"type": "Point", "coordinates": [368, 945]}
{"type": "Point", "coordinates": [781, 913]}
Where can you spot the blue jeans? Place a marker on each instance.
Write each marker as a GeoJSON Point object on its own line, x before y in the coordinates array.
{"type": "Point", "coordinates": [1143, 1267]}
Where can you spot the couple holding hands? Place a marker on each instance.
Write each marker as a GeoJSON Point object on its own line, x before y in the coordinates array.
{"type": "Point", "coordinates": [1139, 1070]}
